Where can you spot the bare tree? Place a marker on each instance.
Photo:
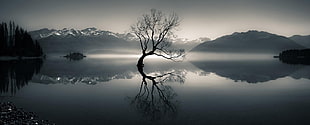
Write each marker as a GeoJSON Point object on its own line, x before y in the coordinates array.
{"type": "Point", "coordinates": [153, 31]}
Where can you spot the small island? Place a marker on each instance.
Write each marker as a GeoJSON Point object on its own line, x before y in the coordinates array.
{"type": "Point", "coordinates": [75, 56]}
{"type": "Point", "coordinates": [295, 56]}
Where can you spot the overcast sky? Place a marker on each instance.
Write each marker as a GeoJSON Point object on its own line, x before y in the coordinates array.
{"type": "Point", "coordinates": [200, 18]}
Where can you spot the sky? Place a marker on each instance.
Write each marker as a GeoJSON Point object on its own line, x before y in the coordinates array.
{"type": "Point", "coordinates": [199, 18]}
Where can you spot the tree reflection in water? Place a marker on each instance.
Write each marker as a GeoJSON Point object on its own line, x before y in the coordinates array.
{"type": "Point", "coordinates": [155, 99]}
{"type": "Point", "coordinates": [15, 74]}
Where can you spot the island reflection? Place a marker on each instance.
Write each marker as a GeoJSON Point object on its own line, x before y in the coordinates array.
{"type": "Point", "coordinates": [17, 74]}
{"type": "Point", "coordinates": [253, 71]}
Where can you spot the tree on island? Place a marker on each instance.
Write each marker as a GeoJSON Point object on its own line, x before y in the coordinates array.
{"type": "Point", "coordinates": [15, 41]}
{"type": "Point", "coordinates": [153, 31]}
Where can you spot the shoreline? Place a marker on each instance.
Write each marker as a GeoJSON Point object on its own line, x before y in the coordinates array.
{"type": "Point", "coordinates": [11, 114]}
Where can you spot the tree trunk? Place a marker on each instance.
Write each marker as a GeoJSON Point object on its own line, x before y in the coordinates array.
{"type": "Point", "coordinates": [140, 66]}
{"type": "Point", "coordinates": [140, 61]}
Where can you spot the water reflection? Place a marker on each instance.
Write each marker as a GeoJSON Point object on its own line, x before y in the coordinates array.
{"type": "Point", "coordinates": [86, 71]}
{"type": "Point", "coordinates": [95, 71]}
{"type": "Point", "coordinates": [158, 95]}
{"type": "Point", "coordinates": [156, 99]}
{"type": "Point", "coordinates": [252, 71]}
{"type": "Point", "coordinates": [89, 80]}
{"type": "Point", "coordinates": [15, 74]}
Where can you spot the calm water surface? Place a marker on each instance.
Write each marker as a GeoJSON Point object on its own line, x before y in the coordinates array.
{"type": "Point", "coordinates": [200, 92]}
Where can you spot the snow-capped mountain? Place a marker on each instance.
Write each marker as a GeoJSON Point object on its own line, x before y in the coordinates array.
{"type": "Point", "coordinates": [85, 40]}
{"type": "Point", "coordinates": [63, 33]}
{"type": "Point", "coordinates": [90, 39]}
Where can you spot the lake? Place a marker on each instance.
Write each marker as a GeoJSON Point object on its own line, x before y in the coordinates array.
{"type": "Point", "coordinates": [111, 91]}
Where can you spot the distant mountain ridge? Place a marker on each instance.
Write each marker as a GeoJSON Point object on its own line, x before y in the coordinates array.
{"type": "Point", "coordinates": [69, 40]}
{"type": "Point", "coordinates": [248, 42]}
{"type": "Point", "coordinates": [302, 40]}
{"type": "Point", "coordinates": [87, 32]}
{"type": "Point", "coordinates": [89, 39]}
{"type": "Point", "coordinates": [98, 41]}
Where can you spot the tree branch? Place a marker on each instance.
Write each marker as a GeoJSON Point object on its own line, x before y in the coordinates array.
{"type": "Point", "coordinates": [155, 27]}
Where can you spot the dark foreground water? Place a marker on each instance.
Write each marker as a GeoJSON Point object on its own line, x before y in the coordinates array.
{"type": "Point", "coordinates": [111, 91]}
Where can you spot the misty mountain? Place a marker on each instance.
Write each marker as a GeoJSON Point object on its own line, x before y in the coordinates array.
{"type": "Point", "coordinates": [188, 44]}
{"type": "Point", "coordinates": [248, 42]}
{"type": "Point", "coordinates": [86, 40]}
{"type": "Point", "coordinates": [302, 40]}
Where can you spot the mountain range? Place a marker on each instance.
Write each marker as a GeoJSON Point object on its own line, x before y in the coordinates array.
{"type": "Point", "coordinates": [68, 40]}
{"type": "Point", "coordinates": [88, 32]}
{"type": "Point", "coordinates": [93, 40]}
{"type": "Point", "coordinates": [248, 42]}
{"type": "Point", "coordinates": [302, 40]}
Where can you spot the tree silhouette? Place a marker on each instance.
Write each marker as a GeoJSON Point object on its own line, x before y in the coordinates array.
{"type": "Point", "coordinates": [294, 56]}
{"type": "Point", "coordinates": [153, 31]}
{"type": "Point", "coordinates": [15, 41]}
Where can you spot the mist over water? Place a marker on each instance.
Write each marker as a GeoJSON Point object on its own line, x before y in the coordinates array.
{"type": "Point", "coordinates": [116, 56]}
{"type": "Point", "coordinates": [209, 56]}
